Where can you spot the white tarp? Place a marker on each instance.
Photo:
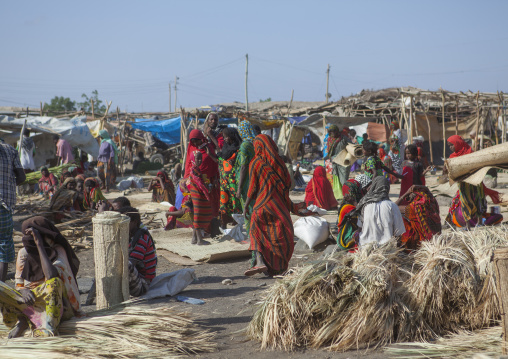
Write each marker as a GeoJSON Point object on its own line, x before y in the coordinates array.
{"type": "Point", "coordinates": [74, 130]}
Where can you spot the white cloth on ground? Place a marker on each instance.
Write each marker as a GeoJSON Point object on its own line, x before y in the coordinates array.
{"type": "Point", "coordinates": [382, 221]}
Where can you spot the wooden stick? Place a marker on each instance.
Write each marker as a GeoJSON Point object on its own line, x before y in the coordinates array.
{"type": "Point", "coordinates": [430, 136]}
{"type": "Point", "coordinates": [93, 110]}
{"type": "Point", "coordinates": [477, 121]}
{"type": "Point", "coordinates": [456, 115]}
{"type": "Point", "coordinates": [444, 128]}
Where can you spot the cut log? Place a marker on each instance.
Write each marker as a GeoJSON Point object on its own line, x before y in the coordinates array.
{"type": "Point", "coordinates": [111, 241]}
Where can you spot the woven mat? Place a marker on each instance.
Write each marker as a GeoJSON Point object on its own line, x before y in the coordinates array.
{"type": "Point", "coordinates": [178, 241]}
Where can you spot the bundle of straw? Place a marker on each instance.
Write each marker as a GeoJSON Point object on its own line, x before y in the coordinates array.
{"type": "Point", "coordinates": [460, 345]}
{"type": "Point", "coordinates": [130, 332]}
{"type": "Point", "coordinates": [381, 295]}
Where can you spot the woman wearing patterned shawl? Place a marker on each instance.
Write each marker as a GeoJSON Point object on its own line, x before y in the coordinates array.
{"type": "Point", "coordinates": [244, 157]}
{"type": "Point", "coordinates": [92, 194]}
{"type": "Point", "coordinates": [208, 167]}
{"type": "Point", "coordinates": [347, 225]}
{"type": "Point", "coordinates": [229, 203]}
{"type": "Point", "coordinates": [66, 199]}
{"type": "Point", "coordinates": [271, 229]}
{"type": "Point", "coordinates": [48, 183]}
{"type": "Point", "coordinates": [469, 207]}
{"type": "Point", "coordinates": [162, 188]}
{"type": "Point", "coordinates": [420, 215]}
{"type": "Point", "coordinates": [199, 187]}
{"type": "Point", "coordinates": [335, 144]}
{"type": "Point", "coordinates": [46, 289]}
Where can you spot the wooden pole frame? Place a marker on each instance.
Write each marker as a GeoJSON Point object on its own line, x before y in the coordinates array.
{"type": "Point", "coordinates": [444, 126]}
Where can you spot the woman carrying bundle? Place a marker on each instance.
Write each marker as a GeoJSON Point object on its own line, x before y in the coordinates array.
{"type": "Point", "coordinates": [162, 188]}
{"type": "Point", "coordinates": [319, 192]}
{"type": "Point", "coordinates": [421, 217]}
{"type": "Point", "coordinates": [469, 206]}
{"type": "Point", "coordinates": [227, 157]}
{"type": "Point", "coordinates": [92, 194]}
{"type": "Point", "coordinates": [46, 289]}
{"type": "Point", "coordinates": [379, 217]}
{"type": "Point", "coordinates": [48, 183]}
{"type": "Point", "coordinates": [271, 229]}
{"type": "Point", "coordinates": [335, 144]}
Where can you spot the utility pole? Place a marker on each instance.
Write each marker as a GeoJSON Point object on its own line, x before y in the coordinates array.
{"type": "Point", "coordinates": [327, 81]}
{"type": "Point", "coordinates": [169, 97]}
{"type": "Point", "coordinates": [246, 74]}
{"type": "Point", "coordinates": [176, 82]}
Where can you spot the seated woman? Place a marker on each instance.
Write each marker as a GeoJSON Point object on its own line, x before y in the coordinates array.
{"type": "Point", "coordinates": [65, 174]}
{"type": "Point", "coordinates": [319, 191]}
{"type": "Point", "coordinates": [92, 194]}
{"type": "Point", "coordinates": [378, 216]}
{"type": "Point", "coordinates": [162, 188]}
{"type": "Point", "coordinates": [66, 199]}
{"type": "Point", "coordinates": [183, 217]}
{"type": "Point", "coordinates": [46, 289]}
{"type": "Point", "coordinates": [142, 254]}
{"type": "Point", "coordinates": [48, 183]}
{"type": "Point", "coordinates": [469, 206]}
{"type": "Point", "coordinates": [347, 225]}
{"type": "Point", "coordinates": [420, 215]}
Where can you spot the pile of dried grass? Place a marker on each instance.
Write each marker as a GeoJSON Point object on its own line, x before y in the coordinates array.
{"type": "Point", "coordinates": [463, 344]}
{"type": "Point", "coordinates": [380, 295]}
{"type": "Point", "coordinates": [129, 332]}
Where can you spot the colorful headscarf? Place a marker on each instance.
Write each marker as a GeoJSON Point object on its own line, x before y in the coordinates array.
{"type": "Point", "coordinates": [461, 147]}
{"type": "Point", "coordinates": [67, 181]}
{"type": "Point", "coordinates": [246, 130]}
{"type": "Point", "coordinates": [353, 188]}
{"type": "Point", "coordinates": [395, 125]}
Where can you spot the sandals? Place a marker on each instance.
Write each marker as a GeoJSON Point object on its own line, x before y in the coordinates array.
{"type": "Point", "coordinates": [255, 270]}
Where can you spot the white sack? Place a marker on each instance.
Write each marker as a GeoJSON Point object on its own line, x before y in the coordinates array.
{"type": "Point", "coordinates": [311, 230]}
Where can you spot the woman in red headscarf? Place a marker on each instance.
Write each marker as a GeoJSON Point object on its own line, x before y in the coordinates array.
{"type": "Point", "coordinates": [162, 188]}
{"type": "Point", "coordinates": [319, 191]}
{"type": "Point", "coordinates": [271, 229]}
{"type": "Point", "coordinates": [208, 167]}
{"type": "Point", "coordinates": [469, 207]}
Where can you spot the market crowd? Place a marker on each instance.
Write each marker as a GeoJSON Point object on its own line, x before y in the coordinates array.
{"type": "Point", "coordinates": [226, 173]}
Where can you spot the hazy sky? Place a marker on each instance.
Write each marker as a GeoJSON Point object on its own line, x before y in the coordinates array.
{"type": "Point", "coordinates": [131, 50]}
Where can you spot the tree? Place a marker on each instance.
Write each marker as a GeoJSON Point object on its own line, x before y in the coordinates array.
{"type": "Point", "coordinates": [97, 104]}
{"type": "Point", "coordinates": [59, 105]}
{"type": "Point", "coordinates": [269, 99]}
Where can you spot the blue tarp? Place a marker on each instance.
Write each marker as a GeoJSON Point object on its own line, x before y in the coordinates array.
{"type": "Point", "coordinates": [168, 131]}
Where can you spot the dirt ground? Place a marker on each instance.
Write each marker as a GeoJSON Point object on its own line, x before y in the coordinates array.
{"type": "Point", "coordinates": [229, 308]}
